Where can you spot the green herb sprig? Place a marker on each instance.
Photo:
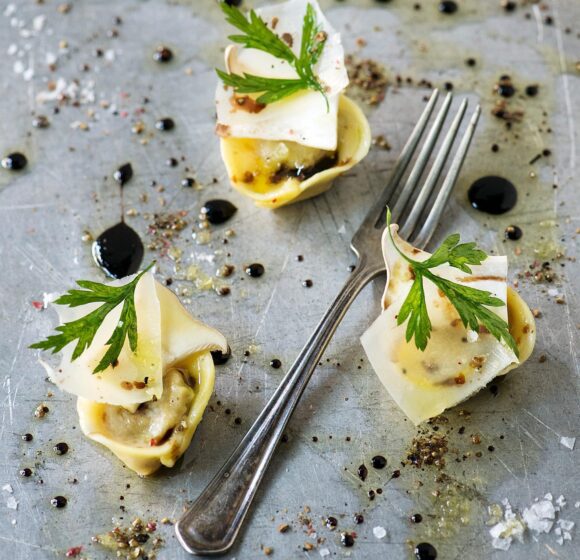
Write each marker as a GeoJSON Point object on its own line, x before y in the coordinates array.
{"type": "Point", "coordinates": [257, 35]}
{"type": "Point", "coordinates": [470, 303]}
{"type": "Point", "coordinates": [84, 329]}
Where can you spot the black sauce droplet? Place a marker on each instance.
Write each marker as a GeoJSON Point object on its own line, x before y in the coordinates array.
{"type": "Point", "coordinates": [220, 358]}
{"type": "Point", "coordinates": [165, 124]}
{"type": "Point", "coordinates": [416, 518]}
{"type": "Point", "coordinates": [58, 501]}
{"type": "Point", "coordinates": [513, 233]}
{"type": "Point", "coordinates": [118, 251]}
{"type": "Point", "coordinates": [15, 161]}
{"type": "Point", "coordinates": [448, 7]}
{"type": "Point", "coordinates": [162, 54]}
{"type": "Point", "coordinates": [307, 283]}
{"type": "Point", "coordinates": [371, 495]}
{"type": "Point", "coordinates": [123, 174]}
{"type": "Point", "coordinates": [26, 472]}
{"type": "Point", "coordinates": [378, 462]}
{"type": "Point", "coordinates": [362, 472]}
{"type": "Point", "coordinates": [171, 162]}
{"type": "Point", "coordinates": [276, 363]}
{"type": "Point", "coordinates": [188, 182]}
{"type": "Point", "coordinates": [331, 522]}
{"type": "Point", "coordinates": [358, 518]}
{"type": "Point", "coordinates": [27, 437]}
{"type": "Point", "coordinates": [61, 448]}
{"type": "Point", "coordinates": [425, 551]}
{"type": "Point", "coordinates": [346, 539]}
{"type": "Point", "coordinates": [532, 91]}
{"type": "Point", "coordinates": [255, 270]}
{"type": "Point", "coordinates": [218, 211]}
{"type": "Point", "coordinates": [494, 195]}
{"type": "Point", "coordinates": [233, 2]}
{"type": "Point", "coordinates": [506, 90]}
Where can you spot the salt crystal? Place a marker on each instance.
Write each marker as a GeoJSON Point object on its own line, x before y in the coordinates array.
{"type": "Point", "coordinates": [342, 229]}
{"type": "Point", "coordinates": [577, 505]}
{"type": "Point", "coordinates": [50, 58]}
{"type": "Point", "coordinates": [12, 49]}
{"type": "Point", "coordinates": [28, 74]}
{"type": "Point", "coordinates": [38, 23]}
{"type": "Point", "coordinates": [561, 501]}
{"type": "Point", "coordinates": [568, 442]}
{"type": "Point", "coordinates": [7, 488]}
{"type": "Point", "coordinates": [324, 552]}
{"type": "Point", "coordinates": [25, 33]}
{"type": "Point", "coordinates": [557, 531]}
{"type": "Point", "coordinates": [565, 524]}
{"type": "Point", "coordinates": [110, 55]}
{"type": "Point", "coordinates": [504, 532]}
{"type": "Point", "coordinates": [379, 532]}
{"type": "Point", "coordinates": [9, 10]}
{"type": "Point", "coordinates": [567, 536]}
{"type": "Point", "coordinates": [553, 292]}
{"type": "Point", "coordinates": [560, 541]}
{"type": "Point", "coordinates": [11, 503]}
{"type": "Point", "coordinates": [48, 297]}
{"type": "Point", "coordinates": [547, 496]}
{"type": "Point", "coordinates": [539, 516]}
{"type": "Point", "coordinates": [18, 67]}
{"type": "Point", "coordinates": [472, 336]}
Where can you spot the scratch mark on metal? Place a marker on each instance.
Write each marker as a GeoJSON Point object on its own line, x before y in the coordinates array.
{"type": "Point", "coordinates": [566, 85]}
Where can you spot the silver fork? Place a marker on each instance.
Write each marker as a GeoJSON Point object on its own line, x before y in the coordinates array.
{"type": "Point", "coordinates": [212, 523]}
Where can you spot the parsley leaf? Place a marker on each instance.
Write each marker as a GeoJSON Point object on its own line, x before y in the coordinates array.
{"type": "Point", "coordinates": [83, 330]}
{"type": "Point", "coordinates": [471, 304]}
{"type": "Point", "coordinates": [257, 35]}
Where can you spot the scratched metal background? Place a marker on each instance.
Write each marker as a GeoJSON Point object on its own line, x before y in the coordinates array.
{"type": "Point", "coordinates": [67, 189]}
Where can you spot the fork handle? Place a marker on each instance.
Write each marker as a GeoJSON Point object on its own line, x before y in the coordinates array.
{"type": "Point", "coordinates": [212, 523]}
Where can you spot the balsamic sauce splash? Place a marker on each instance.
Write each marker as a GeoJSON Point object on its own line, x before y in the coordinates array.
{"type": "Point", "coordinates": [14, 161]}
{"type": "Point", "coordinates": [118, 251]}
{"type": "Point", "coordinates": [493, 195]}
{"type": "Point", "coordinates": [218, 211]}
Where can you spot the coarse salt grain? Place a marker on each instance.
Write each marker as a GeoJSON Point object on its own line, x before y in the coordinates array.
{"type": "Point", "coordinates": [38, 23]}
{"type": "Point", "coordinates": [9, 10]}
{"type": "Point", "coordinates": [324, 552]}
{"type": "Point", "coordinates": [379, 532]}
{"type": "Point", "coordinates": [539, 517]}
{"type": "Point", "coordinates": [568, 442]}
{"type": "Point", "coordinates": [7, 488]}
{"type": "Point", "coordinates": [11, 503]}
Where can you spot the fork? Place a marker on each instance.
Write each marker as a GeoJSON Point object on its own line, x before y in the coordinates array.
{"type": "Point", "coordinates": [212, 523]}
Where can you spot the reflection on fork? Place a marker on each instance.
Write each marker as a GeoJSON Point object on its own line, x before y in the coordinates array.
{"type": "Point", "coordinates": [214, 520]}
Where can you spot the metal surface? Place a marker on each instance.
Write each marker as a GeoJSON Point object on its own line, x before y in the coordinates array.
{"type": "Point", "coordinates": [67, 189]}
{"type": "Point", "coordinates": [212, 524]}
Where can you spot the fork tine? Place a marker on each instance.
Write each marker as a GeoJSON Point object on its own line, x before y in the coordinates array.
{"type": "Point", "coordinates": [422, 160]}
{"type": "Point", "coordinates": [402, 163]}
{"type": "Point", "coordinates": [434, 174]}
{"type": "Point", "coordinates": [432, 220]}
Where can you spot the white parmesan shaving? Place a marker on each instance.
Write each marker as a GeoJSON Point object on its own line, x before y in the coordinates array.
{"type": "Point", "coordinates": [448, 371]}
{"type": "Point", "coordinates": [303, 117]}
{"type": "Point", "coordinates": [166, 334]}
